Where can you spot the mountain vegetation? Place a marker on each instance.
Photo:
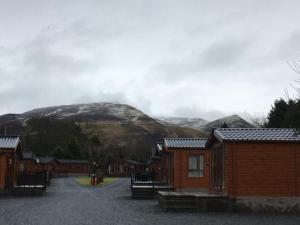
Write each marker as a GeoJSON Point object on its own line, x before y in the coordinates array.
{"type": "Point", "coordinates": [100, 131]}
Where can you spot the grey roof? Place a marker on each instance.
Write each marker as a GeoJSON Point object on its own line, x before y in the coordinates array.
{"type": "Point", "coordinates": [257, 134]}
{"type": "Point", "coordinates": [185, 142]}
{"type": "Point", "coordinates": [130, 161]}
{"type": "Point", "coordinates": [9, 141]}
{"type": "Point", "coordinates": [46, 159]}
{"type": "Point", "coordinates": [28, 155]}
{"type": "Point", "coordinates": [73, 161]}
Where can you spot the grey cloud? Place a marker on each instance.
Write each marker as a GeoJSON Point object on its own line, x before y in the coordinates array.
{"type": "Point", "coordinates": [218, 57]}
{"type": "Point", "coordinates": [289, 47]}
{"type": "Point", "coordinates": [195, 112]}
{"type": "Point", "coordinates": [159, 56]}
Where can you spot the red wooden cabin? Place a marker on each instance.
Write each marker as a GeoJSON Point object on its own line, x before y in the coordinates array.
{"type": "Point", "coordinates": [257, 167]}
{"type": "Point", "coordinates": [28, 164]}
{"type": "Point", "coordinates": [69, 166]}
{"type": "Point", "coordinates": [124, 167]}
{"type": "Point", "coordinates": [10, 153]}
{"type": "Point", "coordinates": [187, 163]}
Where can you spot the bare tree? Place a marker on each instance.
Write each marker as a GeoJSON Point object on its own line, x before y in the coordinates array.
{"type": "Point", "coordinates": [295, 66]}
{"type": "Point", "coordinates": [259, 120]}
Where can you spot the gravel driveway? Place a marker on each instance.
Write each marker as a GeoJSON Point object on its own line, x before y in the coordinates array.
{"type": "Point", "coordinates": [68, 203]}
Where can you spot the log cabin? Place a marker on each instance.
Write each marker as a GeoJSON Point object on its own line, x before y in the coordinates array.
{"type": "Point", "coordinates": [47, 164]}
{"type": "Point", "coordinates": [187, 163]}
{"type": "Point", "coordinates": [157, 163]}
{"type": "Point", "coordinates": [124, 167]}
{"type": "Point", "coordinates": [72, 166]}
{"type": "Point", "coordinates": [10, 154]}
{"type": "Point", "coordinates": [258, 168]}
{"type": "Point", "coordinates": [28, 164]}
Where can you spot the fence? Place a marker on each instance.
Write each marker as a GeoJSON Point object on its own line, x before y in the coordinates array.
{"type": "Point", "coordinates": [36, 179]}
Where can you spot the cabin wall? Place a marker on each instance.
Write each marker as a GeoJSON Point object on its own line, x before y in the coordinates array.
{"type": "Point", "coordinates": [181, 179]}
{"type": "Point", "coordinates": [3, 161]}
{"type": "Point", "coordinates": [72, 168]}
{"type": "Point", "coordinates": [262, 170]}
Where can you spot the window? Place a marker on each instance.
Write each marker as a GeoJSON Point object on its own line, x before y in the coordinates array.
{"type": "Point", "coordinates": [196, 166]}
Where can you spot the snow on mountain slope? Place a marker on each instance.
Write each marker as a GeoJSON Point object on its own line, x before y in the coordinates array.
{"type": "Point", "coordinates": [205, 126]}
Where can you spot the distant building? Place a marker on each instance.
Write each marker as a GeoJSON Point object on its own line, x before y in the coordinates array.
{"type": "Point", "coordinates": [10, 154]}
{"type": "Point", "coordinates": [123, 167]}
{"type": "Point", "coordinates": [157, 163]}
{"type": "Point", "coordinates": [28, 164]}
{"type": "Point", "coordinates": [72, 166]}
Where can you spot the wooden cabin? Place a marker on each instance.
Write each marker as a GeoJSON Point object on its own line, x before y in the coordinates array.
{"type": "Point", "coordinates": [10, 153]}
{"type": "Point", "coordinates": [187, 163]}
{"type": "Point", "coordinates": [73, 166]}
{"type": "Point", "coordinates": [257, 167]}
{"type": "Point", "coordinates": [47, 164]}
{"type": "Point", "coordinates": [157, 163]}
{"type": "Point", "coordinates": [124, 167]}
{"type": "Point", "coordinates": [28, 164]}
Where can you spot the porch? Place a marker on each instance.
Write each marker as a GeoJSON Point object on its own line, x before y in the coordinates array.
{"type": "Point", "coordinates": [197, 201]}
{"type": "Point", "coordinates": [30, 184]}
{"type": "Point", "coordinates": [144, 186]}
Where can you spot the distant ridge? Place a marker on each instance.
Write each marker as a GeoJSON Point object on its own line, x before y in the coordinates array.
{"type": "Point", "coordinates": [233, 121]}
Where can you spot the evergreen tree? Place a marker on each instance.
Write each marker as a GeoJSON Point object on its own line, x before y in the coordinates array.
{"type": "Point", "coordinates": [74, 148]}
{"type": "Point", "coordinates": [277, 114]}
{"type": "Point", "coordinates": [59, 153]}
{"type": "Point", "coordinates": [284, 114]}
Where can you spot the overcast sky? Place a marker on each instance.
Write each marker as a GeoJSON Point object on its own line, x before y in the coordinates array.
{"type": "Point", "coordinates": [167, 58]}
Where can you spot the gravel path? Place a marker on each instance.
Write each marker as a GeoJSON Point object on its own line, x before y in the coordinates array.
{"type": "Point", "coordinates": [68, 203]}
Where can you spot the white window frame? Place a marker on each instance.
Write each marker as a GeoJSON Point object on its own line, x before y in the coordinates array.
{"type": "Point", "coordinates": [197, 169]}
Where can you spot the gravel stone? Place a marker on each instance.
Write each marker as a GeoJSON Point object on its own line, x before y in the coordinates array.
{"type": "Point", "coordinates": [68, 203]}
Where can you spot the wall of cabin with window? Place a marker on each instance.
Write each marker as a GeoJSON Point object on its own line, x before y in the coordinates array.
{"type": "Point", "coordinates": [184, 173]}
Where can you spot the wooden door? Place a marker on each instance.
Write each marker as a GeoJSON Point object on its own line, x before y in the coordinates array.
{"type": "Point", "coordinates": [10, 171]}
{"type": "Point", "coordinates": [217, 169]}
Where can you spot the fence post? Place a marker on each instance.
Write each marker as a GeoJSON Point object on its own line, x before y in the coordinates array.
{"type": "Point", "coordinates": [131, 180]}
{"type": "Point", "coordinates": [153, 179]}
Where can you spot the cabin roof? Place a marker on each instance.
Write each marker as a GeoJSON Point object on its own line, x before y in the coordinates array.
{"type": "Point", "coordinates": [73, 161]}
{"type": "Point", "coordinates": [257, 134]}
{"type": "Point", "coordinates": [28, 155]}
{"type": "Point", "coordinates": [185, 142]}
{"type": "Point", "coordinates": [133, 162]}
{"type": "Point", "coordinates": [9, 142]}
{"type": "Point", "coordinates": [46, 159]}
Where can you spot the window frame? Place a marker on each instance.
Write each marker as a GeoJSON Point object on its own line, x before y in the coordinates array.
{"type": "Point", "coordinates": [199, 170]}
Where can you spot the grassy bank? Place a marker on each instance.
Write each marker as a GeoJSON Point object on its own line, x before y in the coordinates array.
{"type": "Point", "coordinates": [86, 181]}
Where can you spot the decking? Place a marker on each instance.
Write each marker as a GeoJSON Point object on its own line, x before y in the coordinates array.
{"type": "Point", "coordinates": [197, 201]}
{"type": "Point", "coordinates": [147, 189]}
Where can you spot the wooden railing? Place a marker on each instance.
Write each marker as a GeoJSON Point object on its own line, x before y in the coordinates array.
{"type": "Point", "coordinates": [36, 179]}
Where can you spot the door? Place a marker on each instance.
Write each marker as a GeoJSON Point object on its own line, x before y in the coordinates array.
{"type": "Point", "coordinates": [217, 169]}
{"type": "Point", "coordinates": [9, 176]}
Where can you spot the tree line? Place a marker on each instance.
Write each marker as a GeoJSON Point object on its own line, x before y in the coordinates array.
{"type": "Point", "coordinates": [286, 113]}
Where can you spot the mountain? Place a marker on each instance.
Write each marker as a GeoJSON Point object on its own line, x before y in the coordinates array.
{"type": "Point", "coordinates": [195, 123]}
{"type": "Point", "coordinates": [122, 130]}
{"type": "Point", "coordinates": [205, 126]}
{"type": "Point", "coordinates": [233, 121]}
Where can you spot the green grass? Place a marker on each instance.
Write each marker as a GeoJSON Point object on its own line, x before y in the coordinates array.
{"type": "Point", "coordinates": [86, 181]}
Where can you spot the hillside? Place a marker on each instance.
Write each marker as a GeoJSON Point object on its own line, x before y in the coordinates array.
{"type": "Point", "coordinates": [195, 123]}
{"type": "Point", "coordinates": [122, 130]}
{"type": "Point", "coordinates": [205, 126]}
